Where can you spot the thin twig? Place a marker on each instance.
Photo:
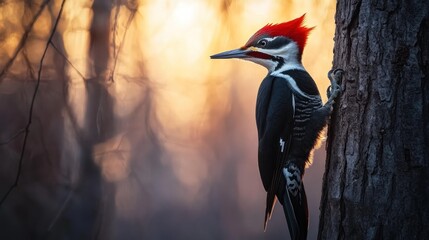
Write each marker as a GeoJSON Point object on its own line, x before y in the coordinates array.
{"type": "Point", "coordinates": [62, 208]}
{"type": "Point", "coordinates": [11, 138]}
{"type": "Point", "coordinates": [116, 52]}
{"type": "Point", "coordinates": [28, 62]}
{"type": "Point", "coordinates": [30, 116]}
{"type": "Point", "coordinates": [67, 60]}
{"type": "Point", "coordinates": [23, 39]}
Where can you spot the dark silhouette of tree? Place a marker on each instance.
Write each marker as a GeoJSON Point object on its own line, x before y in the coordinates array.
{"type": "Point", "coordinates": [117, 148]}
{"type": "Point", "coordinates": [376, 184]}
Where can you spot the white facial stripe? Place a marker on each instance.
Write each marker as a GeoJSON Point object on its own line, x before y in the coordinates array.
{"type": "Point", "coordinates": [290, 51]}
{"type": "Point", "coordinates": [289, 66]}
{"type": "Point", "coordinates": [271, 65]}
{"type": "Point", "coordinates": [264, 62]}
{"type": "Point", "coordinates": [269, 39]}
{"type": "Point", "coordinates": [260, 49]}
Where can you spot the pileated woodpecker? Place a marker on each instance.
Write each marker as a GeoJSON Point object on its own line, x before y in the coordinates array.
{"type": "Point", "coordinates": [290, 116]}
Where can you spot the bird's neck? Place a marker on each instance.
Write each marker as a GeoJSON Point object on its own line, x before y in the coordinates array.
{"type": "Point", "coordinates": [285, 65]}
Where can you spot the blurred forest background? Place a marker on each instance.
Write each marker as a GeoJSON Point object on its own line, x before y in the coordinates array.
{"type": "Point", "coordinates": [135, 133]}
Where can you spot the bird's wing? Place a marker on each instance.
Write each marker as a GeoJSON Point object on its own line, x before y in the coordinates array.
{"type": "Point", "coordinates": [274, 119]}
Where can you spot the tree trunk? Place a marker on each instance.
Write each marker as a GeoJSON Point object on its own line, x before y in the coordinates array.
{"type": "Point", "coordinates": [376, 183]}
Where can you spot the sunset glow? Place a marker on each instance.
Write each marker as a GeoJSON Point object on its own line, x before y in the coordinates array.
{"type": "Point", "coordinates": [181, 126]}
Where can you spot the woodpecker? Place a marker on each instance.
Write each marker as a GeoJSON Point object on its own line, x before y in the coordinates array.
{"type": "Point", "coordinates": [290, 116]}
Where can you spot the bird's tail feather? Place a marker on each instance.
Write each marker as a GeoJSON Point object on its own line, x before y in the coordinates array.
{"type": "Point", "coordinates": [291, 220]}
{"type": "Point", "coordinates": [296, 212]}
{"type": "Point", "coordinates": [271, 202]}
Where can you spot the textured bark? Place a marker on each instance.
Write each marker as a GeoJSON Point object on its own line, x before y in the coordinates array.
{"type": "Point", "coordinates": [376, 183]}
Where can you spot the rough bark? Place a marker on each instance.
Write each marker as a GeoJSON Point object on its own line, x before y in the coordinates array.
{"type": "Point", "coordinates": [376, 183]}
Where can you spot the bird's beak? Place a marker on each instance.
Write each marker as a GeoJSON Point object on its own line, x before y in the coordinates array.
{"type": "Point", "coordinates": [236, 53]}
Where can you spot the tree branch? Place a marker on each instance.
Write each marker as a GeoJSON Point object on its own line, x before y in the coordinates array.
{"type": "Point", "coordinates": [23, 39]}
{"type": "Point", "coordinates": [68, 61]}
{"type": "Point", "coordinates": [11, 138]}
{"type": "Point", "coordinates": [30, 115]}
{"type": "Point", "coordinates": [116, 51]}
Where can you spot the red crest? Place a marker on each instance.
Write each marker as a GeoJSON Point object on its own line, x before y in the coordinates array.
{"type": "Point", "coordinates": [293, 30]}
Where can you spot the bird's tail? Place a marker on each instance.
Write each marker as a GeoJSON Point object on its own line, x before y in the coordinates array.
{"type": "Point", "coordinates": [296, 211]}
{"type": "Point", "coordinates": [271, 201]}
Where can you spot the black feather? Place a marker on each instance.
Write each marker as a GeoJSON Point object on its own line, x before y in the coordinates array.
{"type": "Point", "coordinates": [283, 114]}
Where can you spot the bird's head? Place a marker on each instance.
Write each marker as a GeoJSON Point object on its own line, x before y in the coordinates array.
{"type": "Point", "coordinates": [273, 45]}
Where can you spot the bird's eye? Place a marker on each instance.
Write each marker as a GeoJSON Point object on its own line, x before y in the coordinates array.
{"type": "Point", "coordinates": [262, 42]}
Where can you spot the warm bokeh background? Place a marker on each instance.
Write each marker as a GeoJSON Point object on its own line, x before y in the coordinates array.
{"type": "Point", "coordinates": [136, 133]}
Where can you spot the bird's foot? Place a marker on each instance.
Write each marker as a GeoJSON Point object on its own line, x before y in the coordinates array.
{"type": "Point", "coordinates": [334, 90]}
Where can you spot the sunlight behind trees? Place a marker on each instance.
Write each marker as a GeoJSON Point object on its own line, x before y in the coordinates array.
{"type": "Point", "coordinates": [135, 129]}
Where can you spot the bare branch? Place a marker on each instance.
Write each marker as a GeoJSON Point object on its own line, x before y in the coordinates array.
{"type": "Point", "coordinates": [60, 212]}
{"type": "Point", "coordinates": [23, 39]}
{"type": "Point", "coordinates": [11, 138]}
{"type": "Point", "coordinates": [67, 60]}
{"type": "Point", "coordinates": [30, 116]}
{"type": "Point", "coordinates": [116, 52]}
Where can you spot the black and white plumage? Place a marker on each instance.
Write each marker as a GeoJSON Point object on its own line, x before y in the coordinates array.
{"type": "Point", "coordinates": [293, 119]}
{"type": "Point", "coordinates": [289, 115]}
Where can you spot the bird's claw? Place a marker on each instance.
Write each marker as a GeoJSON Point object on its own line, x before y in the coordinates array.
{"type": "Point", "coordinates": [333, 91]}
{"type": "Point", "coordinates": [334, 72]}
{"type": "Point", "coordinates": [328, 91]}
